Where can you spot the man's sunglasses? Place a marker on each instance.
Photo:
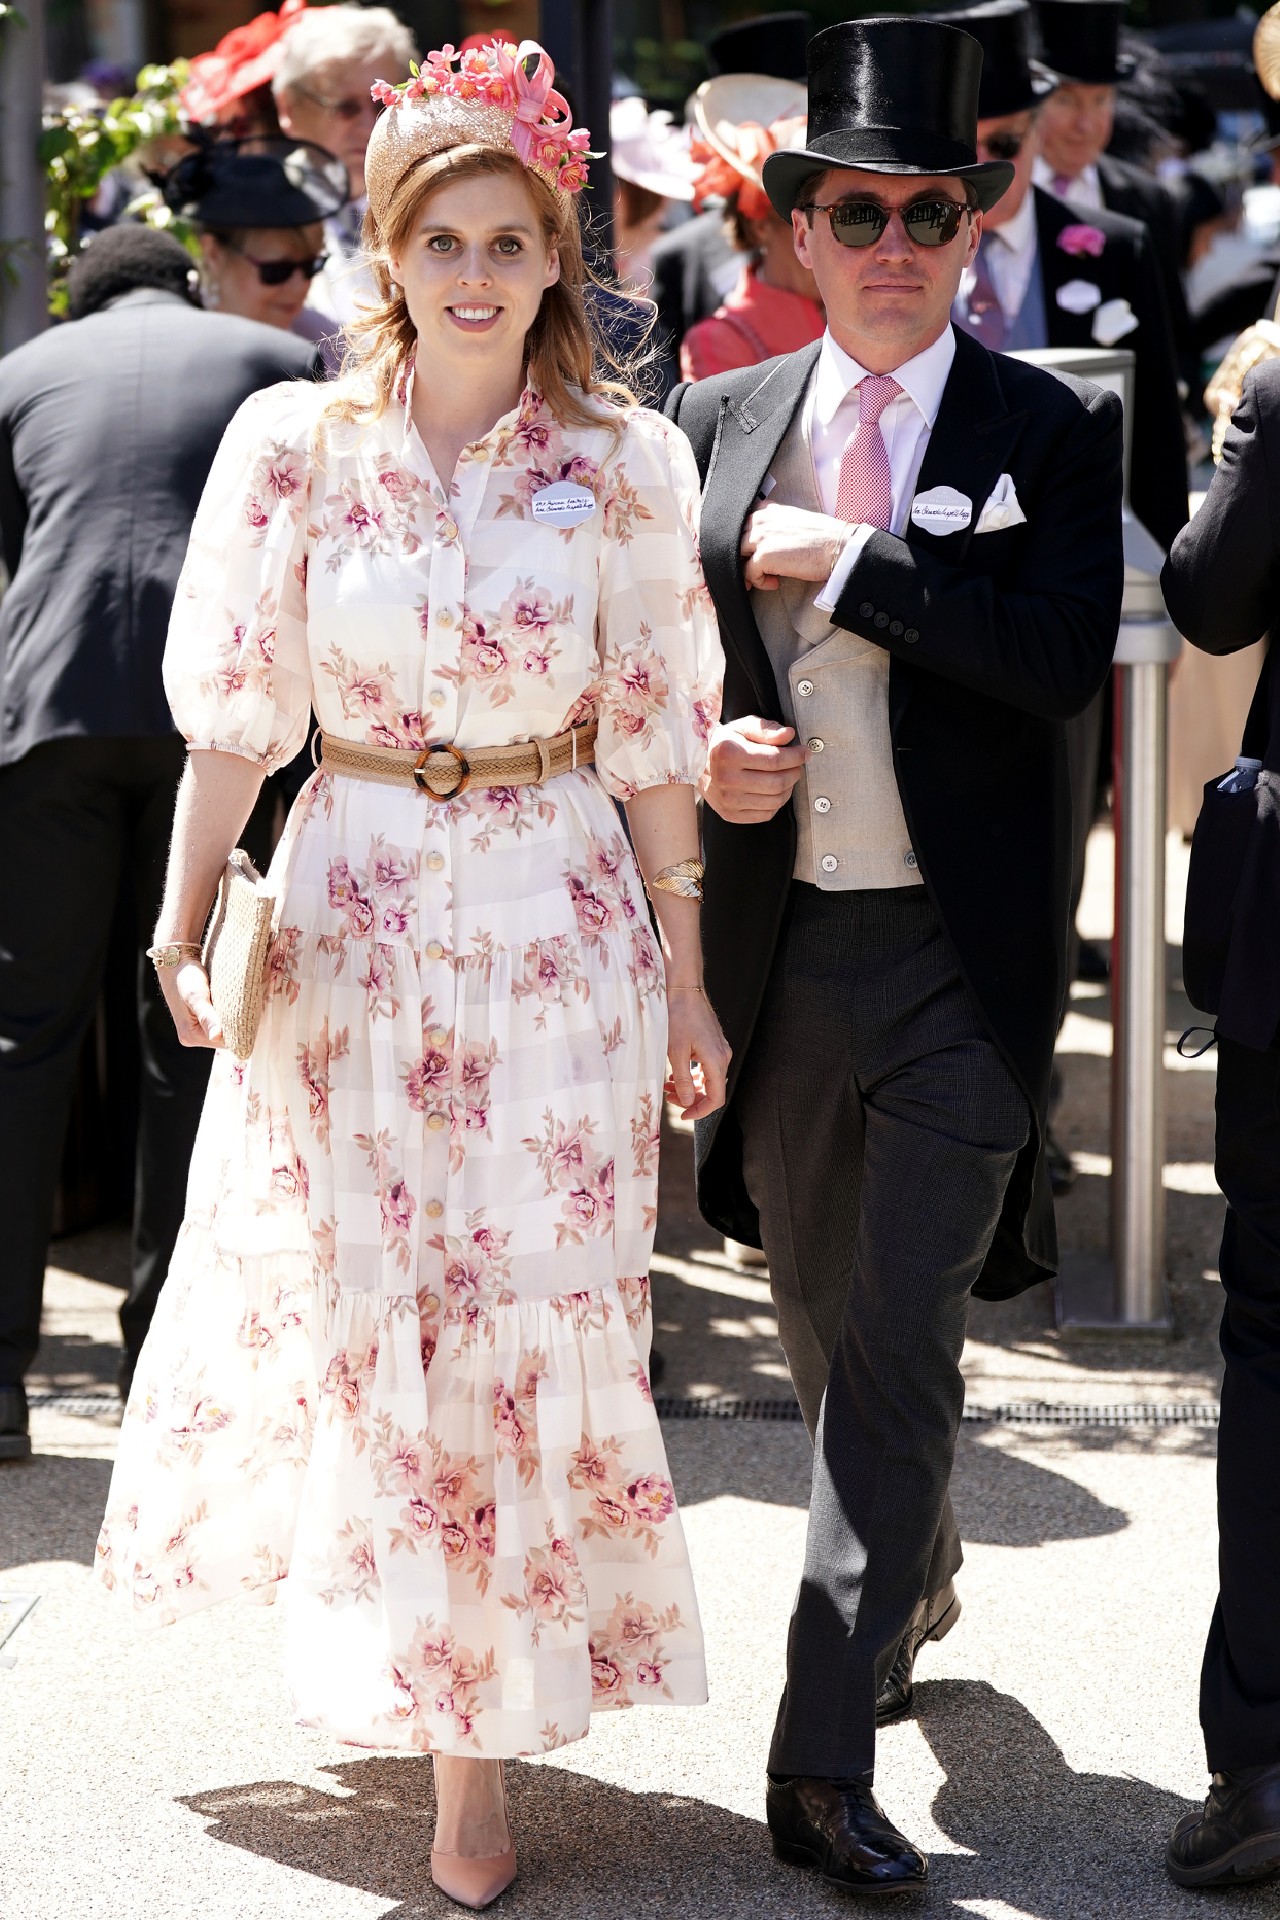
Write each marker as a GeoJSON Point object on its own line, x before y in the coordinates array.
{"type": "Point", "coordinates": [274, 273]}
{"type": "Point", "coordinates": [1003, 146]}
{"type": "Point", "coordinates": [860, 223]}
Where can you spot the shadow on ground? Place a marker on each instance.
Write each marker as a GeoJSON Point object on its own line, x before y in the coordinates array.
{"type": "Point", "coordinates": [51, 1508]}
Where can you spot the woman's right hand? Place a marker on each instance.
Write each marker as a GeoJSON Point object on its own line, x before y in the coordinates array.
{"type": "Point", "coordinates": [186, 990]}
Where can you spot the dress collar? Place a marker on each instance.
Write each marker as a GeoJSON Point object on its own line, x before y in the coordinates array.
{"type": "Point", "coordinates": [922, 378]}
{"type": "Point", "coordinates": [414, 454]}
{"type": "Point", "coordinates": [1018, 233]}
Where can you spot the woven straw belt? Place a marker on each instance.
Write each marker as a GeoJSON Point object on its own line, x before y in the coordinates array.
{"type": "Point", "coordinates": [445, 771]}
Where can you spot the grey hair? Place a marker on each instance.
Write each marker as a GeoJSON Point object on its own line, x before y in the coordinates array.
{"type": "Point", "coordinates": [351, 34]}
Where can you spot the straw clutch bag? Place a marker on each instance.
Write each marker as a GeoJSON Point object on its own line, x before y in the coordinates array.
{"type": "Point", "coordinates": [235, 951]}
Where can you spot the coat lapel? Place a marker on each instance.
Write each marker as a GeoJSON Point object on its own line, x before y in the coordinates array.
{"type": "Point", "coordinates": [747, 438]}
{"type": "Point", "coordinates": [1057, 268]}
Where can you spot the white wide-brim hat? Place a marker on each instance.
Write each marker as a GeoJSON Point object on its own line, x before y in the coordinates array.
{"type": "Point", "coordinates": [646, 149]}
{"type": "Point", "coordinates": [721, 107]}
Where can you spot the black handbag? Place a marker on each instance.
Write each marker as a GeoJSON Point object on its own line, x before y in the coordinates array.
{"type": "Point", "coordinates": [1226, 831]}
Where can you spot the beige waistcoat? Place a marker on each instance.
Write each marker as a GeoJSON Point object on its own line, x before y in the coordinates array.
{"type": "Point", "coordinates": [834, 689]}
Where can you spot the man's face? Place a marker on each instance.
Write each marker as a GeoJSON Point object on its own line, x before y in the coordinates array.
{"type": "Point", "coordinates": [333, 108]}
{"type": "Point", "coordinates": [888, 301]}
{"type": "Point", "coordinates": [1011, 137]}
{"type": "Point", "coordinates": [1075, 126]}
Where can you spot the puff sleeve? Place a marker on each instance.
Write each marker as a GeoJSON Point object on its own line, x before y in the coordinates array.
{"type": "Point", "coordinates": [660, 664]}
{"type": "Point", "coordinates": [236, 669]}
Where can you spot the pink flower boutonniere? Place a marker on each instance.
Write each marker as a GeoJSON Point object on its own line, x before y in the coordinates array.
{"type": "Point", "coordinates": [1083, 239]}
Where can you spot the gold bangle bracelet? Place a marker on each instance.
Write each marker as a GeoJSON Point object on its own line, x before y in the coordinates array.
{"type": "Point", "coordinates": [172, 953]}
{"type": "Point", "coordinates": [683, 877]}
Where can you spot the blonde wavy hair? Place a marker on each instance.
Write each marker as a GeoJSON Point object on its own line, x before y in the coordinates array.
{"type": "Point", "coordinates": [566, 357]}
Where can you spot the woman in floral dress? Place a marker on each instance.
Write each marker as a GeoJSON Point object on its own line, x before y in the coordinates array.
{"type": "Point", "coordinates": [400, 1360]}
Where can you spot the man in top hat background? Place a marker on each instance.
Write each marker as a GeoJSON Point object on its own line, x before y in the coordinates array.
{"type": "Point", "coordinates": [914, 548]}
{"type": "Point", "coordinates": [1080, 46]}
{"type": "Point", "coordinates": [696, 267]}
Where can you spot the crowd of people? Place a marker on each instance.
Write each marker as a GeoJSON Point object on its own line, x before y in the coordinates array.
{"type": "Point", "coordinates": [351, 546]}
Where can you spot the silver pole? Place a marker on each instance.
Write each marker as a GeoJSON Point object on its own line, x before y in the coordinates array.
{"type": "Point", "coordinates": [1138, 974]}
{"type": "Point", "coordinates": [23, 292]}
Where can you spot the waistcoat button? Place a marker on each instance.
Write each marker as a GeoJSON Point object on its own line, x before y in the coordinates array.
{"type": "Point", "coordinates": [815, 745]}
{"type": "Point", "coordinates": [822, 804]}
{"type": "Point", "coordinates": [804, 688]}
{"type": "Point", "coordinates": [829, 863]}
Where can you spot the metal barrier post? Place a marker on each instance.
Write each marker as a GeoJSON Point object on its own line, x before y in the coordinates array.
{"type": "Point", "coordinates": [1128, 1293]}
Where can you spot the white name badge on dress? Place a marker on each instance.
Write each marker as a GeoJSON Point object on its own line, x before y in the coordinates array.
{"type": "Point", "coordinates": [564, 504]}
{"type": "Point", "coordinates": [941, 510]}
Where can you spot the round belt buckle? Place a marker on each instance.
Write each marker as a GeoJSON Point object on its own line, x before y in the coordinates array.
{"type": "Point", "coordinates": [420, 768]}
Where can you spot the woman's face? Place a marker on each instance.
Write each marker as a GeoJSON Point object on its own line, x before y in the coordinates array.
{"type": "Point", "coordinates": [236, 286]}
{"type": "Point", "coordinates": [474, 270]}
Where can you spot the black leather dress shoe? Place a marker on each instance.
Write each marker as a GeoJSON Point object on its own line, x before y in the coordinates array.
{"type": "Point", "coordinates": [837, 1827]}
{"type": "Point", "coordinates": [933, 1619]}
{"type": "Point", "coordinates": [1235, 1838]}
{"type": "Point", "coordinates": [15, 1437]}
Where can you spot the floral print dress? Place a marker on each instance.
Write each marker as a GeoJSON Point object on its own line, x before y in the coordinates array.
{"type": "Point", "coordinates": [400, 1359]}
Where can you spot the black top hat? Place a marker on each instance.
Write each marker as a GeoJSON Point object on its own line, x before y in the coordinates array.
{"type": "Point", "coordinates": [1080, 41]}
{"type": "Point", "coordinates": [1012, 82]}
{"type": "Point", "coordinates": [260, 182]}
{"type": "Point", "coordinates": [890, 96]}
{"type": "Point", "coordinates": [771, 43]}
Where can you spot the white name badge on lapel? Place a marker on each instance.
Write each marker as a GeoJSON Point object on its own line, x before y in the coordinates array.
{"type": "Point", "coordinates": [564, 504]}
{"type": "Point", "coordinates": [1079, 296]}
{"type": "Point", "coordinates": [941, 510]}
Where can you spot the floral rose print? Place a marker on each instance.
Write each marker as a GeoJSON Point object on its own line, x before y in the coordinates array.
{"type": "Point", "coordinates": [400, 1356]}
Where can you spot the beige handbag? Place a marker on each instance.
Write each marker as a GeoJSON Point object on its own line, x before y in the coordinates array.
{"type": "Point", "coordinates": [237, 943]}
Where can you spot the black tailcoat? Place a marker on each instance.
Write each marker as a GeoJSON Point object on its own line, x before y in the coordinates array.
{"type": "Point", "coordinates": [1140, 196]}
{"type": "Point", "coordinates": [1126, 269]}
{"type": "Point", "coordinates": [1222, 588]}
{"type": "Point", "coordinates": [996, 640]}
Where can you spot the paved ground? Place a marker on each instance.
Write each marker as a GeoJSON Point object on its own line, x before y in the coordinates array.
{"type": "Point", "coordinates": [1056, 1738]}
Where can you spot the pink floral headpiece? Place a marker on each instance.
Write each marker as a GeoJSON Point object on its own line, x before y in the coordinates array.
{"type": "Point", "coordinates": [499, 96]}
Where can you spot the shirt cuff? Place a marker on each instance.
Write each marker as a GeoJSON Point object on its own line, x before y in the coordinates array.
{"type": "Point", "coordinates": [825, 602]}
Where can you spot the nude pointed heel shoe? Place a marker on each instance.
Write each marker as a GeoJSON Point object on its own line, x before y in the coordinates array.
{"type": "Point", "coordinates": [471, 1881]}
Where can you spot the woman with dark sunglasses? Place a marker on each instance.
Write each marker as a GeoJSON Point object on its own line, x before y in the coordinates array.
{"type": "Point", "coordinates": [260, 207]}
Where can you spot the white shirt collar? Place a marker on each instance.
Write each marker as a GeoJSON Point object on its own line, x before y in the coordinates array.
{"type": "Point", "coordinates": [921, 378]}
{"type": "Point", "coordinates": [1019, 233]}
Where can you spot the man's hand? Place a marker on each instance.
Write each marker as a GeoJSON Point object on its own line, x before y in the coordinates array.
{"type": "Point", "coordinates": [792, 543]}
{"type": "Point", "coordinates": [753, 766]}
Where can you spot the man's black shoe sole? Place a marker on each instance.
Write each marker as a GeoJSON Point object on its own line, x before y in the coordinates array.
{"type": "Point", "coordinates": [888, 1716]}
{"type": "Point", "coordinates": [1252, 1860]}
{"type": "Point", "coordinates": [15, 1446]}
{"type": "Point", "coordinates": [794, 1855]}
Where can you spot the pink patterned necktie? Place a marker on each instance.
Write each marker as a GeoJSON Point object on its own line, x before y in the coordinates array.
{"type": "Point", "coordinates": [865, 493]}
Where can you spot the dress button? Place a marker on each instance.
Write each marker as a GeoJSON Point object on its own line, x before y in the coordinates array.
{"type": "Point", "coordinates": [822, 804]}
{"type": "Point", "coordinates": [804, 688]}
{"type": "Point", "coordinates": [866, 610]}
{"type": "Point", "coordinates": [435, 861]}
{"type": "Point", "coordinates": [433, 1209]}
{"type": "Point", "coordinates": [434, 950]}
{"type": "Point", "coordinates": [881, 620]}
{"type": "Point", "coordinates": [911, 636]}
{"type": "Point", "coordinates": [437, 698]}
{"type": "Point", "coordinates": [437, 1122]}
{"type": "Point", "coordinates": [829, 863]}
{"type": "Point", "coordinates": [895, 628]}
{"type": "Point", "coordinates": [815, 745]}
{"type": "Point", "coordinates": [438, 1036]}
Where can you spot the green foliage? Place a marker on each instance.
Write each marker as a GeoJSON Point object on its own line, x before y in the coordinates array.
{"type": "Point", "coordinates": [80, 146]}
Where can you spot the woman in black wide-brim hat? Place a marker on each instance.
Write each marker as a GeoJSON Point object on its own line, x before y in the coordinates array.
{"type": "Point", "coordinates": [260, 205]}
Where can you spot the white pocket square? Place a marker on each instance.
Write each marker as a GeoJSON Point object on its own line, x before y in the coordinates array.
{"type": "Point", "coordinates": [1112, 320]}
{"type": "Point", "coordinates": [1079, 296]}
{"type": "Point", "coordinates": [1002, 509]}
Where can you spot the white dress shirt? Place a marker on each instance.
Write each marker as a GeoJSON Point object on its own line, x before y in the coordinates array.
{"type": "Point", "coordinates": [905, 424]}
{"type": "Point", "coordinates": [1084, 191]}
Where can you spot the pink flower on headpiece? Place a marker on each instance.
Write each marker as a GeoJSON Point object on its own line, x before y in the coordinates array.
{"type": "Point", "coordinates": [1083, 239]}
{"type": "Point", "coordinates": [385, 94]}
{"type": "Point", "coordinates": [440, 64]}
{"type": "Point", "coordinates": [572, 176]}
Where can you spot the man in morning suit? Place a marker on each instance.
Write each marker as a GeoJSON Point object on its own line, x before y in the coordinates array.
{"type": "Point", "coordinates": [108, 428]}
{"type": "Point", "coordinates": [914, 549]}
{"type": "Point", "coordinates": [696, 265]}
{"type": "Point", "coordinates": [1222, 587]}
{"type": "Point", "coordinates": [1079, 43]}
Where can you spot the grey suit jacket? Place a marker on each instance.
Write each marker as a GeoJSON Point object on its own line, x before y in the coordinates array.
{"type": "Point", "coordinates": [108, 428]}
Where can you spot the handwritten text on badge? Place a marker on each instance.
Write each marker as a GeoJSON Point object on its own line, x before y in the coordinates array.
{"type": "Point", "coordinates": [563, 504]}
{"type": "Point", "coordinates": [941, 510]}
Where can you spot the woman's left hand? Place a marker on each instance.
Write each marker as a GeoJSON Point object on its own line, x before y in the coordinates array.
{"type": "Point", "coordinates": [698, 1054]}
